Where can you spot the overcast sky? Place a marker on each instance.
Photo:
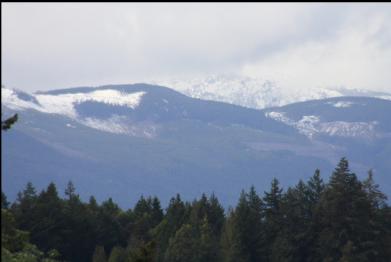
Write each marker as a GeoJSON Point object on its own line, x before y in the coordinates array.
{"type": "Point", "coordinates": [49, 46]}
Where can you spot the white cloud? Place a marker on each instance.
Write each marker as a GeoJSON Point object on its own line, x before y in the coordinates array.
{"type": "Point", "coordinates": [358, 56]}
{"type": "Point", "coordinates": [48, 46]}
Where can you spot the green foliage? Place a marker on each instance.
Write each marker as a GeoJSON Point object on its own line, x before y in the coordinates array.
{"type": "Point", "coordinates": [242, 237]}
{"type": "Point", "coordinates": [345, 217]}
{"type": "Point", "coordinates": [4, 202]}
{"type": "Point", "coordinates": [343, 220]}
{"type": "Point", "coordinates": [183, 246]}
{"type": "Point", "coordinates": [15, 245]}
{"type": "Point", "coordinates": [7, 124]}
{"type": "Point", "coordinates": [146, 252]}
{"type": "Point", "coordinates": [99, 255]}
{"type": "Point", "coordinates": [118, 254]}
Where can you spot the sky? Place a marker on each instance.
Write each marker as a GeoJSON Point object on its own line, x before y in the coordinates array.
{"type": "Point", "coordinates": [58, 45]}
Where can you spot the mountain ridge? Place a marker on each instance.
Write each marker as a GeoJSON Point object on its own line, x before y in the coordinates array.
{"type": "Point", "coordinates": [169, 143]}
{"type": "Point", "coordinates": [257, 93]}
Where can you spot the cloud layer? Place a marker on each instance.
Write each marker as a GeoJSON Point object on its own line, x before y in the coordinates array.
{"type": "Point", "coordinates": [46, 46]}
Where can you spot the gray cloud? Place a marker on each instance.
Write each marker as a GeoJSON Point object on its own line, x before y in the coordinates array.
{"type": "Point", "coordinates": [46, 46]}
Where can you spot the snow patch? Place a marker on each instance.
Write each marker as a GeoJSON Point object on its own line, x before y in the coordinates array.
{"type": "Point", "coordinates": [348, 129]}
{"type": "Point", "coordinates": [311, 125]}
{"type": "Point", "coordinates": [341, 104]}
{"type": "Point", "coordinates": [63, 104]}
{"type": "Point", "coordinates": [121, 125]}
{"type": "Point", "coordinates": [279, 116]}
{"type": "Point", "coordinates": [111, 125]}
{"type": "Point", "coordinates": [10, 99]}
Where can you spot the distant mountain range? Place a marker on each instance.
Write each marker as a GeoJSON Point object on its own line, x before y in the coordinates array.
{"type": "Point", "coordinates": [122, 141]}
{"type": "Point", "coordinates": [257, 93]}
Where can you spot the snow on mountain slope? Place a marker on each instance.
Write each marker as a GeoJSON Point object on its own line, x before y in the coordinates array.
{"type": "Point", "coordinates": [352, 117]}
{"type": "Point", "coordinates": [63, 104]}
{"type": "Point", "coordinates": [73, 104]}
{"type": "Point", "coordinates": [256, 92]}
{"type": "Point", "coordinates": [311, 125]}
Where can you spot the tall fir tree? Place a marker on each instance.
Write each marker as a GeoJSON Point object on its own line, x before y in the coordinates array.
{"type": "Point", "coordinates": [273, 217]}
{"type": "Point", "coordinates": [344, 213]}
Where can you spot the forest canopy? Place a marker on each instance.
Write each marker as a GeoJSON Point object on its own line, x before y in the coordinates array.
{"type": "Point", "coordinates": [344, 219]}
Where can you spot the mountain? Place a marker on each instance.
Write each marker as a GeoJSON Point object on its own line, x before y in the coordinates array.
{"type": "Point", "coordinates": [256, 93]}
{"type": "Point", "coordinates": [123, 141]}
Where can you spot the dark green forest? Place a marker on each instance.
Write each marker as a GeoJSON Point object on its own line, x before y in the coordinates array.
{"type": "Point", "coordinates": [344, 219]}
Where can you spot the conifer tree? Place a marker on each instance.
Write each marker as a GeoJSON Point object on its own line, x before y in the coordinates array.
{"type": "Point", "coordinates": [243, 233]}
{"type": "Point", "coordinates": [4, 202]}
{"type": "Point", "coordinates": [70, 190]}
{"type": "Point", "coordinates": [46, 231]}
{"type": "Point", "coordinates": [375, 196]}
{"type": "Point", "coordinates": [183, 246]}
{"type": "Point", "coordinates": [117, 254]}
{"type": "Point", "coordinates": [25, 208]}
{"type": "Point", "coordinates": [7, 123]}
{"type": "Point", "coordinates": [215, 215]}
{"type": "Point", "coordinates": [176, 215]}
{"type": "Point", "coordinates": [315, 187]}
{"type": "Point", "coordinates": [344, 216]}
{"type": "Point", "coordinates": [273, 219]}
{"type": "Point", "coordinates": [293, 241]}
{"type": "Point", "coordinates": [99, 254]}
{"type": "Point", "coordinates": [230, 244]}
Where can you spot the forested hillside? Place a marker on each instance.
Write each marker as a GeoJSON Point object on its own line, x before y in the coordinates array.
{"type": "Point", "coordinates": [344, 219]}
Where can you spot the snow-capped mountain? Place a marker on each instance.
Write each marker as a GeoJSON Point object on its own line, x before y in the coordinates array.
{"type": "Point", "coordinates": [126, 140]}
{"type": "Point", "coordinates": [256, 93]}
{"type": "Point", "coordinates": [317, 118]}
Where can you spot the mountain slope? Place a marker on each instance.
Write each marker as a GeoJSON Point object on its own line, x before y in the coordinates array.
{"type": "Point", "coordinates": [126, 140]}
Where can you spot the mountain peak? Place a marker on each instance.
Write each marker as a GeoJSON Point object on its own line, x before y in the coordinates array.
{"type": "Point", "coordinates": [256, 93]}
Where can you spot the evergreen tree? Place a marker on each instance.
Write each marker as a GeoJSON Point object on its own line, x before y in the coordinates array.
{"type": "Point", "coordinates": [380, 219]}
{"type": "Point", "coordinates": [176, 215]}
{"type": "Point", "coordinates": [156, 213]}
{"type": "Point", "coordinates": [230, 245]}
{"type": "Point", "coordinates": [183, 246]}
{"type": "Point", "coordinates": [293, 241]}
{"type": "Point", "coordinates": [25, 208]}
{"type": "Point", "coordinates": [99, 255]}
{"type": "Point", "coordinates": [215, 215]}
{"type": "Point", "coordinates": [7, 124]}
{"type": "Point", "coordinates": [144, 253]}
{"type": "Point", "coordinates": [315, 187]}
{"type": "Point", "coordinates": [273, 217]}
{"type": "Point", "coordinates": [117, 254]}
{"type": "Point", "coordinates": [109, 231]}
{"type": "Point", "coordinates": [70, 190]}
{"type": "Point", "coordinates": [15, 245]}
{"type": "Point", "coordinates": [375, 196]}
{"type": "Point", "coordinates": [48, 220]}
{"type": "Point", "coordinates": [245, 229]}
{"type": "Point", "coordinates": [343, 220]}
{"type": "Point", "coordinates": [208, 244]}
{"type": "Point", "coordinates": [78, 229]}
{"type": "Point", "coordinates": [147, 214]}
{"type": "Point", "coordinates": [344, 213]}
{"type": "Point", "coordinates": [4, 202]}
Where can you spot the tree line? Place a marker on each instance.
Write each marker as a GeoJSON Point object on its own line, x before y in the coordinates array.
{"type": "Point", "coordinates": [345, 219]}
